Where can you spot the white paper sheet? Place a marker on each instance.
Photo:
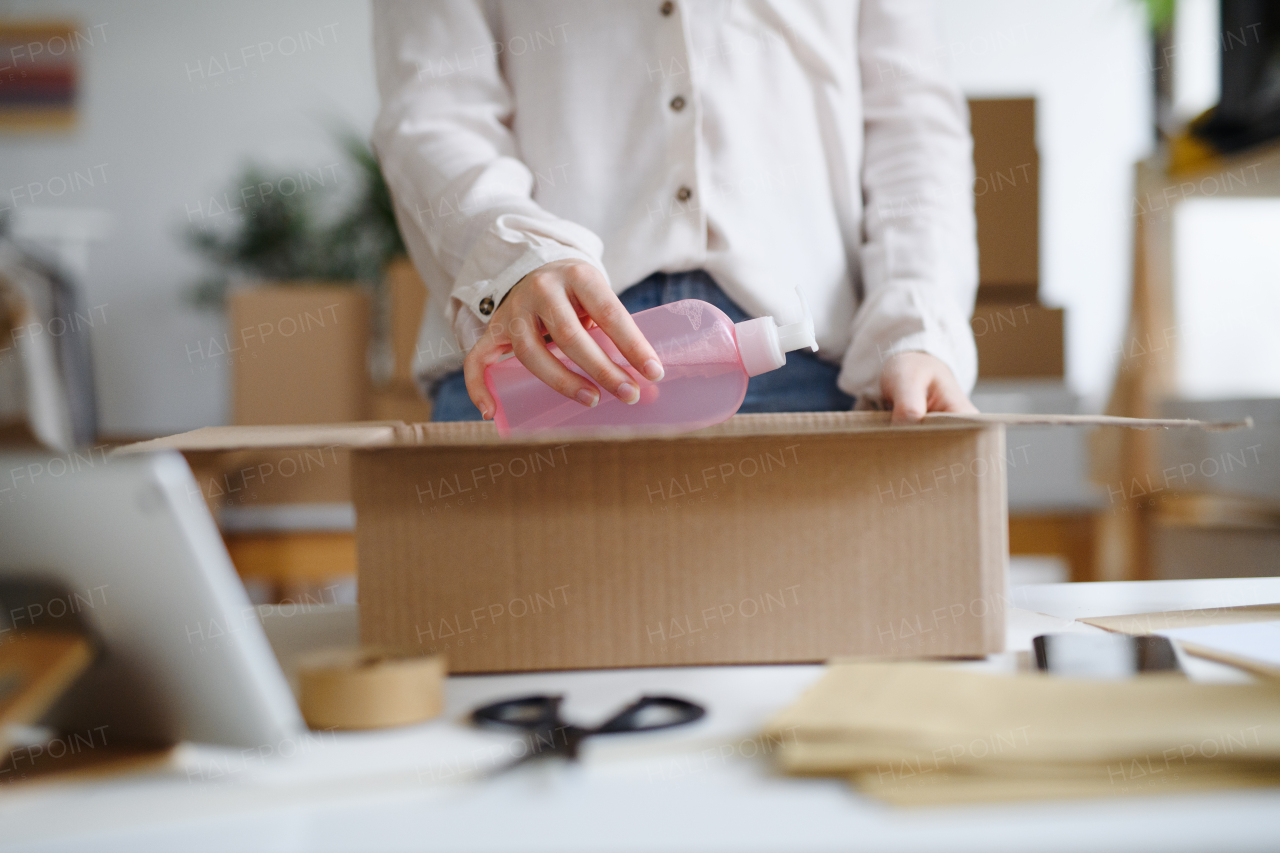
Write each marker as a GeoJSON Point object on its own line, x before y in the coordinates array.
{"type": "Point", "coordinates": [1257, 641]}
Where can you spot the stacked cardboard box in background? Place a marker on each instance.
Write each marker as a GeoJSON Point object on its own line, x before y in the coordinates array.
{"type": "Point", "coordinates": [1021, 347]}
{"type": "Point", "coordinates": [400, 399]}
{"type": "Point", "coordinates": [1214, 499]}
{"type": "Point", "coordinates": [1017, 337]}
{"type": "Point", "coordinates": [303, 357]}
{"type": "Point", "coordinates": [303, 353]}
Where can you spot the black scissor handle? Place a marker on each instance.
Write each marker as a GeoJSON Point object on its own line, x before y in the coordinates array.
{"type": "Point", "coordinates": [671, 712]}
{"type": "Point", "coordinates": [530, 712]}
{"type": "Point", "coordinates": [542, 713]}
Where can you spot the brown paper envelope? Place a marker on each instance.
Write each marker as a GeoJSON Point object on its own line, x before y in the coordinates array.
{"type": "Point", "coordinates": [835, 758]}
{"type": "Point", "coordinates": [956, 787]}
{"type": "Point", "coordinates": [1168, 620]}
{"type": "Point", "coordinates": [930, 706]}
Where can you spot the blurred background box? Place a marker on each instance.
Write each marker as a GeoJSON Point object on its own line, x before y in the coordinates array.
{"type": "Point", "coordinates": [299, 353]}
{"type": "Point", "coordinates": [1017, 337]}
{"type": "Point", "coordinates": [407, 300]}
{"type": "Point", "coordinates": [399, 402]}
{"type": "Point", "coordinates": [286, 515]}
{"type": "Point", "coordinates": [1006, 198]}
{"type": "Point", "coordinates": [1019, 341]}
{"type": "Point", "coordinates": [400, 399]}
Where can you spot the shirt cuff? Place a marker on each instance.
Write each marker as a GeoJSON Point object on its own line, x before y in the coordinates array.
{"type": "Point", "coordinates": [906, 322]}
{"type": "Point", "coordinates": [473, 304]}
{"type": "Point", "coordinates": [870, 398]}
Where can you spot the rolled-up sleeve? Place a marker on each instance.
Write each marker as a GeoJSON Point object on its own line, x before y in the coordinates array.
{"type": "Point", "coordinates": [444, 143]}
{"type": "Point", "coordinates": [919, 272]}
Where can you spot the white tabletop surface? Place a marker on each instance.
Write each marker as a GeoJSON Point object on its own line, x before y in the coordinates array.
{"type": "Point", "coordinates": [707, 787]}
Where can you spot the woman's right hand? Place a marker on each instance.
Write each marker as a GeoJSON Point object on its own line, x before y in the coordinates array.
{"type": "Point", "coordinates": [563, 300]}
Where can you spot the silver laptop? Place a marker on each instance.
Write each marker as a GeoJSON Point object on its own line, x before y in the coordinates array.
{"type": "Point", "coordinates": [126, 546]}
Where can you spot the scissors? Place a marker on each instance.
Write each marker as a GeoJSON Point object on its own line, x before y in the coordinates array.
{"type": "Point", "coordinates": [548, 735]}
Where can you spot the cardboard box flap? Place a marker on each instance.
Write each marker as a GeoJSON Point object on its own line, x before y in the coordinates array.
{"type": "Point", "coordinates": [739, 426]}
{"type": "Point", "coordinates": [480, 433]}
{"type": "Point", "coordinates": [938, 418]}
{"type": "Point", "coordinates": [360, 434]}
{"type": "Point", "coordinates": [792, 423]}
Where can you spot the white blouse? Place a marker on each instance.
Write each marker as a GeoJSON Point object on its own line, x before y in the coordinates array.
{"type": "Point", "coordinates": [772, 143]}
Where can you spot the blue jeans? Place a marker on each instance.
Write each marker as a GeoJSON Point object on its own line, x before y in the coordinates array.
{"type": "Point", "coordinates": [804, 384]}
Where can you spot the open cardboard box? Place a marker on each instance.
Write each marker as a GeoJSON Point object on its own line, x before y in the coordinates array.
{"type": "Point", "coordinates": [768, 538]}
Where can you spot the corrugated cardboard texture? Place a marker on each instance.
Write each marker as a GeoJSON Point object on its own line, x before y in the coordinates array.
{"type": "Point", "coordinates": [1018, 341]}
{"type": "Point", "coordinates": [221, 438]}
{"type": "Point", "coordinates": [301, 354]}
{"type": "Point", "coordinates": [396, 433]}
{"type": "Point", "coordinates": [1006, 197]}
{"type": "Point", "coordinates": [790, 537]}
{"type": "Point", "coordinates": [399, 402]}
{"type": "Point", "coordinates": [744, 548]}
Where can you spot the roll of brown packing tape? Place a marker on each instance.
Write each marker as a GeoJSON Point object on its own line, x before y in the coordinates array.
{"type": "Point", "coordinates": [369, 688]}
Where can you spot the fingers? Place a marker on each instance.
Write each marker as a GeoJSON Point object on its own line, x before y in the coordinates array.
{"type": "Point", "coordinates": [566, 298]}
{"type": "Point", "coordinates": [949, 398]}
{"type": "Point", "coordinates": [944, 392]}
{"type": "Point", "coordinates": [566, 329]}
{"type": "Point", "coordinates": [910, 400]}
{"type": "Point", "coordinates": [486, 351]}
{"type": "Point", "coordinates": [604, 307]}
{"type": "Point", "coordinates": [531, 349]}
{"type": "Point", "coordinates": [916, 383]}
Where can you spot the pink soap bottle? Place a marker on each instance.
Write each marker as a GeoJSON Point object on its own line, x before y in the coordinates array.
{"type": "Point", "coordinates": [707, 360]}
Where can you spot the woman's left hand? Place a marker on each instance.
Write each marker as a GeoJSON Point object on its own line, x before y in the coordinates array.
{"type": "Point", "coordinates": [916, 382]}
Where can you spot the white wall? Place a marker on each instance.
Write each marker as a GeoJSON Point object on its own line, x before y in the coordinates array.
{"type": "Point", "coordinates": [1086, 63]}
{"type": "Point", "coordinates": [168, 135]}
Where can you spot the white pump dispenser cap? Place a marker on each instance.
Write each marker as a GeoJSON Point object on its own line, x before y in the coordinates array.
{"type": "Point", "coordinates": [763, 344]}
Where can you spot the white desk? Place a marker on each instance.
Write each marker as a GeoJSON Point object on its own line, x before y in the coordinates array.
{"type": "Point", "coordinates": [709, 788]}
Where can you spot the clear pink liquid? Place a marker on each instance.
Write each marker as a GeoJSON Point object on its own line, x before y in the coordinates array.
{"type": "Point", "coordinates": [704, 382]}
